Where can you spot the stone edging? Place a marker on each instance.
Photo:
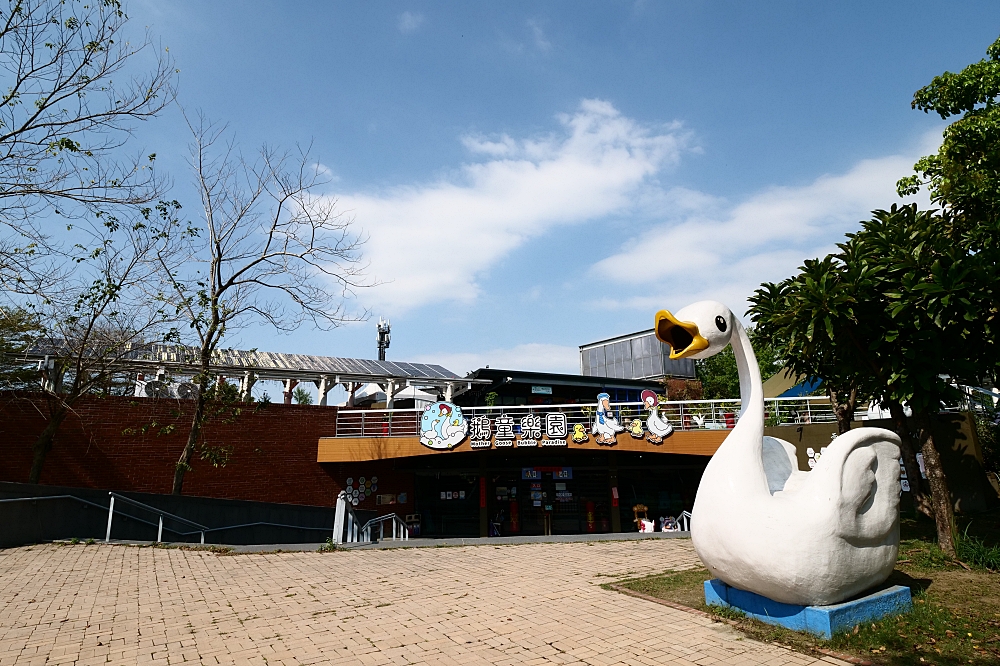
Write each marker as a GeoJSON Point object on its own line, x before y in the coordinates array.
{"type": "Point", "coordinates": [694, 611]}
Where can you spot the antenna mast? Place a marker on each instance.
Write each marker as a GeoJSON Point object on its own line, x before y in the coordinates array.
{"type": "Point", "coordinates": [383, 337]}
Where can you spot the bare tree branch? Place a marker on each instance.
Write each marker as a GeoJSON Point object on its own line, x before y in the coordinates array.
{"type": "Point", "coordinates": [269, 248]}
{"type": "Point", "coordinates": [69, 103]}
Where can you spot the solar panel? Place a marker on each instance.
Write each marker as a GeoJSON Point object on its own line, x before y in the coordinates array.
{"type": "Point", "coordinates": [263, 361]}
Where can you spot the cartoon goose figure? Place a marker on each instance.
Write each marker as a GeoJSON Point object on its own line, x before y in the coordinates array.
{"type": "Point", "coordinates": [759, 524]}
{"type": "Point", "coordinates": [606, 427]}
{"type": "Point", "coordinates": [447, 425]}
{"type": "Point", "coordinates": [657, 426]}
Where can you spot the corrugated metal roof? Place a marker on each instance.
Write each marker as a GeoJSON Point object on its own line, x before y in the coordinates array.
{"type": "Point", "coordinates": [254, 360]}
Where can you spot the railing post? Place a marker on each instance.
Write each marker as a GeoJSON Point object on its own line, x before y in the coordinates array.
{"type": "Point", "coordinates": [111, 513]}
{"type": "Point", "coordinates": [159, 530]}
{"type": "Point", "coordinates": [338, 518]}
{"type": "Point", "coordinates": [203, 538]}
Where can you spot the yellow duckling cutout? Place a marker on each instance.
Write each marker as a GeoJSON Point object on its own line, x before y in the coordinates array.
{"type": "Point", "coordinates": [635, 428]}
{"type": "Point", "coordinates": [580, 434]}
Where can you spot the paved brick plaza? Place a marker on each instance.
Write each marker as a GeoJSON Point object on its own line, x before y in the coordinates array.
{"type": "Point", "coordinates": [524, 604]}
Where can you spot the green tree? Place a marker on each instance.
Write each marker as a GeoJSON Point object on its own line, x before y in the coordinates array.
{"type": "Point", "coordinates": [718, 374]}
{"type": "Point", "coordinates": [963, 177]}
{"type": "Point", "coordinates": [810, 317]}
{"type": "Point", "coordinates": [904, 311]}
{"type": "Point", "coordinates": [941, 295]}
{"type": "Point", "coordinates": [92, 305]}
{"type": "Point", "coordinates": [827, 321]}
{"type": "Point", "coordinates": [302, 396]}
{"type": "Point", "coordinates": [19, 330]}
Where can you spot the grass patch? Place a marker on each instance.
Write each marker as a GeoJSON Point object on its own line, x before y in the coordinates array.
{"type": "Point", "coordinates": [955, 618]}
{"type": "Point", "coordinates": [681, 587]}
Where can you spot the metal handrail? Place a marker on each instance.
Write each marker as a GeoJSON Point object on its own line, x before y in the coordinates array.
{"type": "Point", "coordinates": [682, 415]}
{"type": "Point", "coordinates": [347, 528]}
{"type": "Point", "coordinates": [159, 532]}
{"type": "Point", "coordinates": [47, 497]}
{"type": "Point", "coordinates": [233, 527]}
{"type": "Point", "coordinates": [398, 526]}
{"type": "Point", "coordinates": [345, 520]}
{"type": "Point", "coordinates": [201, 529]}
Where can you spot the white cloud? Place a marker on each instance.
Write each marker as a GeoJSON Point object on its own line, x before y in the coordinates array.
{"type": "Point", "coordinates": [432, 242]}
{"type": "Point", "coordinates": [531, 357]}
{"type": "Point", "coordinates": [708, 249]}
{"type": "Point", "coordinates": [541, 41]}
{"type": "Point", "coordinates": [409, 22]}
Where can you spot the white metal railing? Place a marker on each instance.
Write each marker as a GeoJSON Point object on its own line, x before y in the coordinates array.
{"type": "Point", "coordinates": [682, 414]}
{"type": "Point", "coordinates": [398, 528]}
{"type": "Point", "coordinates": [199, 528]}
{"type": "Point", "coordinates": [347, 527]}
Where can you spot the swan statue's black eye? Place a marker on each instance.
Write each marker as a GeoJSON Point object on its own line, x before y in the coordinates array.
{"type": "Point", "coordinates": [720, 323]}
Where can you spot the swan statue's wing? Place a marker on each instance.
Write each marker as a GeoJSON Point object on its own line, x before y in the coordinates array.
{"type": "Point", "coordinates": [780, 465]}
{"type": "Point", "coordinates": [858, 474]}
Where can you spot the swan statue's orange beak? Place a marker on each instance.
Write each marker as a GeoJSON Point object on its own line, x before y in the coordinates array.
{"type": "Point", "coordinates": [682, 336]}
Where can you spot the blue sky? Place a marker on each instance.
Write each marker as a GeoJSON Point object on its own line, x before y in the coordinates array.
{"type": "Point", "coordinates": [535, 176]}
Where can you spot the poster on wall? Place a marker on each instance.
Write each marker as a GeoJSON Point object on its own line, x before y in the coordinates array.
{"type": "Point", "coordinates": [442, 426]}
{"type": "Point", "coordinates": [361, 489]}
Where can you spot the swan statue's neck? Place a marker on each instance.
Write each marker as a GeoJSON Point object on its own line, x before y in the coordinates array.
{"type": "Point", "coordinates": [741, 454]}
{"type": "Point", "coordinates": [751, 387]}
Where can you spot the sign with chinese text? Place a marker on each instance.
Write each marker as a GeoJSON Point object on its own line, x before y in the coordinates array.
{"type": "Point", "coordinates": [531, 430]}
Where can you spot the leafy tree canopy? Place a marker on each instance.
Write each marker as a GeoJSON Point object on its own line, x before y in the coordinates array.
{"type": "Point", "coordinates": [964, 175]}
{"type": "Point", "coordinates": [719, 377]}
{"type": "Point", "coordinates": [19, 328]}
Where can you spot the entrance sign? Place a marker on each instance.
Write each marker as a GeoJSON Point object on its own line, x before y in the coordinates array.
{"type": "Point", "coordinates": [504, 430]}
{"type": "Point", "coordinates": [555, 425]}
{"type": "Point", "coordinates": [482, 433]}
{"type": "Point", "coordinates": [442, 426]}
{"type": "Point", "coordinates": [542, 390]}
{"type": "Point", "coordinates": [531, 430]}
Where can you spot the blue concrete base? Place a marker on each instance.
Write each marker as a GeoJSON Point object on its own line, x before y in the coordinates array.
{"type": "Point", "coordinates": [824, 621]}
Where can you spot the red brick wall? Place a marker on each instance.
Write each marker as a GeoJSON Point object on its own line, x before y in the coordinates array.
{"type": "Point", "coordinates": [273, 451]}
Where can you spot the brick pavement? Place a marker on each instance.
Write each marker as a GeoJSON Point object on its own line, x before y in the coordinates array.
{"type": "Point", "coordinates": [524, 604]}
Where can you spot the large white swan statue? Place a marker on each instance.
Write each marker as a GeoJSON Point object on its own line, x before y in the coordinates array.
{"type": "Point", "coordinates": [760, 524]}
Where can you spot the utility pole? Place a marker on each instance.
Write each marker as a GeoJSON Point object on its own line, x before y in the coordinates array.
{"type": "Point", "coordinates": [383, 337]}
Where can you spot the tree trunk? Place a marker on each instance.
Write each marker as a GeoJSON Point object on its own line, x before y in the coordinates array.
{"type": "Point", "coordinates": [918, 492]}
{"type": "Point", "coordinates": [844, 411]}
{"type": "Point", "coordinates": [44, 443]}
{"type": "Point", "coordinates": [944, 511]}
{"type": "Point", "coordinates": [183, 463]}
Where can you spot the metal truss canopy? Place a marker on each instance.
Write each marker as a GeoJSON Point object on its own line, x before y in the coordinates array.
{"type": "Point", "coordinates": [183, 360]}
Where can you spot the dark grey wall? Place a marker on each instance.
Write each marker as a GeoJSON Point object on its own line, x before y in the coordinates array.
{"type": "Point", "coordinates": [37, 520]}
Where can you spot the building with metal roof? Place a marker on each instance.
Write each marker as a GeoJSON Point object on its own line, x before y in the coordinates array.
{"type": "Point", "coordinates": [634, 356]}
